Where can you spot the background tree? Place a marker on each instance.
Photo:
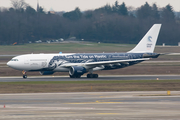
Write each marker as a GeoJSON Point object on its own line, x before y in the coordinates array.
{"type": "Point", "coordinates": [144, 11]}
{"type": "Point", "coordinates": [115, 8]}
{"type": "Point", "coordinates": [73, 15]}
{"type": "Point", "coordinates": [18, 4]}
{"type": "Point", "coordinates": [29, 10]}
{"type": "Point", "coordinates": [155, 13]}
{"type": "Point", "coordinates": [168, 14]}
{"type": "Point", "coordinates": [110, 23]}
{"type": "Point", "coordinates": [41, 10]}
{"type": "Point", "coordinates": [123, 9]}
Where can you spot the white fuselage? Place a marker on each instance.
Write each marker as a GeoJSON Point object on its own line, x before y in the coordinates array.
{"type": "Point", "coordinates": [35, 62]}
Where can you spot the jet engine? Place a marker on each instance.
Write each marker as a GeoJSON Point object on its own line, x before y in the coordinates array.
{"type": "Point", "coordinates": [46, 72]}
{"type": "Point", "coordinates": [77, 71]}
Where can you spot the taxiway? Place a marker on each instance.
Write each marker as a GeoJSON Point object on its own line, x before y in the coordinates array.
{"type": "Point", "coordinates": [91, 106]}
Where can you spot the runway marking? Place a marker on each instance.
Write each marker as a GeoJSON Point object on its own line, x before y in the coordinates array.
{"type": "Point", "coordinates": [108, 113]}
{"type": "Point", "coordinates": [97, 102]}
{"type": "Point", "coordinates": [92, 93]}
{"type": "Point", "coordinates": [112, 96]}
{"type": "Point", "coordinates": [104, 96]}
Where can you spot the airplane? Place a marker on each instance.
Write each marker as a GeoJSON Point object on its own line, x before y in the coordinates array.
{"type": "Point", "coordinates": [78, 64]}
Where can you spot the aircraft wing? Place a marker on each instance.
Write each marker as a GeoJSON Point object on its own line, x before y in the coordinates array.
{"type": "Point", "coordinates": [103, 62]}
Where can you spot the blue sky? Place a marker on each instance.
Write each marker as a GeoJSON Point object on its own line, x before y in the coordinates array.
{"type": "Point", "coordinates": [68, 5]}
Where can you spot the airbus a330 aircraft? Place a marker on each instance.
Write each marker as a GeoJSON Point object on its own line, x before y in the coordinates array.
{"type": "Point", "coordinates": [77, 64]}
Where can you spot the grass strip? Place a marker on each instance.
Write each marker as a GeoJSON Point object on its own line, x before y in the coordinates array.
{"type": "Point", "coordinates": [89, 86]}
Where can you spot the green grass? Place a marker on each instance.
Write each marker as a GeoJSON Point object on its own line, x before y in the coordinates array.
{"type": "Point", "coordinates": [64, 47]}
{"type": "Point", "coordinates": [81, 47]}
{"type": "Point", "coordinates": [89, 86]}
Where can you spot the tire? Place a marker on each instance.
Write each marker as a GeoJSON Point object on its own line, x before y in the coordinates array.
{"type": "Point", "coordinates": [71, 76]}
{"type": "Point", "coordinates": [78, 76]}
{"type": "Point", "coordinates": [75, 76]}
{"type": "Point", "coordinates": [95, 75]}
{"type": "Point", "coordinates": [24, 76]}
{"type": "Point", "coordinates": [90, 75]}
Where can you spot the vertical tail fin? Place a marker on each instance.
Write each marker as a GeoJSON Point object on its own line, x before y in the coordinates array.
{"type": "Point", "coordinates": [148, 42]}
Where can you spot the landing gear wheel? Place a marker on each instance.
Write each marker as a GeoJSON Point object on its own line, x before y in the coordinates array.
{"type": "Point", "coordinates": [75, 76]}
{"type": "Point", "coordinates": [24, 76]}
{"type": "Point", "coordinates": [89, 75]}
{"type": "Point", "coordinates": [95, 75]}
{"type": "Point", "coordinates": [78, 76]}
{"type": "Point", "coordinates": [92, 75]}
{"type": "Point", "coordinates": [70, 76]}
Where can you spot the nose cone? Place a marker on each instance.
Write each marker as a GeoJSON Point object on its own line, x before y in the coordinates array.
{"type": "Point", "coordinates": [9, 63]}
{"type": "Point", "coordinates": [13, 65]}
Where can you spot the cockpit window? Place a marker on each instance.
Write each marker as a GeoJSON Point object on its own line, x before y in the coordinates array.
{"type": "Point", "coordinates": [14, 59]}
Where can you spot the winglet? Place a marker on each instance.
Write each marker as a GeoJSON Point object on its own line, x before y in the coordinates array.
{"type": "Point", "coordinates": [148, 42]}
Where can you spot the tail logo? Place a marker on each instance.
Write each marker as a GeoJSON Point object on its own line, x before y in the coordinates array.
{"type": "Point", "coordinates": [149, 39]}
{"type": "Point", "coordinates": [149, 45]}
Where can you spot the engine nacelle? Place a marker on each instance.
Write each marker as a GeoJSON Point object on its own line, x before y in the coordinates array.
{"type": "Point", "coordinates": [46, 72]}
{"type": "Point", "coordinates": [77, 70]}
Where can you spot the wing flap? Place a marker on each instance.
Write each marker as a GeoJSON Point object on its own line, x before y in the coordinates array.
{"type": "Point", "coordinates": [103, 62]}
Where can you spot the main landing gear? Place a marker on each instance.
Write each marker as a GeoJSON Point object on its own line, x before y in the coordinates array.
{"type": "Point", "coordinates": [75, 76]}
{"type": "Point", "coordinates": [92, 75]}
{"type": "Point", "coordinates": [24, 74]}
{"type": "Point", "coordinates": [88, 76]}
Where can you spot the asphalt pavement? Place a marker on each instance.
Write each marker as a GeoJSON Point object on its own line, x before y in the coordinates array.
{"type": "Point", "coordinates": [153, 105]}
{"type": "Point", "coordinates": [83, 78]}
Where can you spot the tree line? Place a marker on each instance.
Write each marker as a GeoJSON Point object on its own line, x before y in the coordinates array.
{"type": "Point", "coordinates": [111, 23]}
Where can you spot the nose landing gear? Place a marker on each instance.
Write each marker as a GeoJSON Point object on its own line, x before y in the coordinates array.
{"type": "Point", "coordinates": [24, 74]}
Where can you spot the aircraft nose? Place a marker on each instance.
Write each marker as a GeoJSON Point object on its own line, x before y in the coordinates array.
{"type": "Point", "coordinates": [14, 65]}
{"type": "Point", "coordinates": [8, 64]}
{"type": "Point", "coordinates": [11, 64]}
